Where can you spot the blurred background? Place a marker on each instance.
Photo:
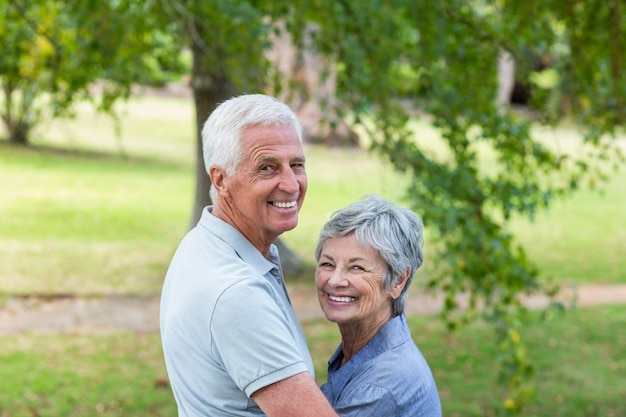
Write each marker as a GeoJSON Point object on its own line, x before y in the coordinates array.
{"type": "Point", "coordinates": [499, 122]}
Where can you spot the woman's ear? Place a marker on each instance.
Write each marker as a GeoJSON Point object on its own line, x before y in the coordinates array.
{"type": "Point", "coordinates": [397, 288]}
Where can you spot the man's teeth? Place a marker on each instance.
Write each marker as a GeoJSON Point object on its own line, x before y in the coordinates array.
{"type": "Point", "coordinates": [286, 204]}
{"type": "Point", "coordinates": [341, 299]}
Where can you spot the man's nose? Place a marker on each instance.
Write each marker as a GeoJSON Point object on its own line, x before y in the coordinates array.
{"type": "Point", "coordinates": [289, 181]}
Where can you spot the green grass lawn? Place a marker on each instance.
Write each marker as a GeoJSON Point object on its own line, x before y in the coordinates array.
{"type": "Point", "coordinates": [580, 363]}
{"type": "Point", "coordinates": [88, 223]}
{"type": "Point", "coordinates": [86, 211]}
{"type": "Point", "coordinates": [581, 239]}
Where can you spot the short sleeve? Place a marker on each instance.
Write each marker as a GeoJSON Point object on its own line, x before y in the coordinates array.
{"type": "Point", "coordinates": [253, 338]}
{"type": "Point", "coordinates": [366, 400]}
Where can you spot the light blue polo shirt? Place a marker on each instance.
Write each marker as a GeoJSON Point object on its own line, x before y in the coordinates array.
{"type": "Point", "coordinates": [388, 377]}
{"type": "Point", "coordinates": [227, 325]}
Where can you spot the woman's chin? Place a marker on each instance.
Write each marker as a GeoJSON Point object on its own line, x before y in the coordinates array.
{"type": "Point", "coordinates": [336, 318]}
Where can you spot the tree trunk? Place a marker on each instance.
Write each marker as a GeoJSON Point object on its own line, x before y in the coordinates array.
{"type": "Point", "coordinates": [208, 91]}
{"type": "Point", "coordinates": [18, 133]}
{"type": "Point", "coordinates": [16, 116]}
{"type": "Point", "coordinates": [506, 79]}
{"type": "Point", "coordinates": [291, 263]}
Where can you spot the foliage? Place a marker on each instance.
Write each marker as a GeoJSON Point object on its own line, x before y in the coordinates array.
{"type": "Point", "coordinates": [494, 167]}
{"type": "Point", "coordinates": [54, 52]}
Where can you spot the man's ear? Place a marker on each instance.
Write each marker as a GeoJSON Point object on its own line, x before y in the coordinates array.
{"type": "Point", "coordinates": [397, 288]}
{"type": "Point", "coordinates": [218, 177]}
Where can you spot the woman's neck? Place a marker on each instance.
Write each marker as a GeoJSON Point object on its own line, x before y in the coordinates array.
{"type": "Point", "coordinates": [355, 336]}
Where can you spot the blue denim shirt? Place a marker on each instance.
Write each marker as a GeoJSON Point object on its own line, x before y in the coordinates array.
{"type": "Point", "coordinates": [388, 377]}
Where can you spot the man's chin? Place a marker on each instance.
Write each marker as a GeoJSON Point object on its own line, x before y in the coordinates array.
{"type": "Point", "coordinates": [286, 226]}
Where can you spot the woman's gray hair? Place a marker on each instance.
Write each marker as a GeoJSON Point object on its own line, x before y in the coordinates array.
{"type": "Point", "coordinates": [223, 129]}
{"type": "Point", "coordinates": [395, 232]}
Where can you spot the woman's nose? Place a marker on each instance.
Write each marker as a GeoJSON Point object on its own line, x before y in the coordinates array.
{"type": "Point", "coordinates": [337, 278]}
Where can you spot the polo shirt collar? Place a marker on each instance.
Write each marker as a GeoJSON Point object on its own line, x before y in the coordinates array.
{"type": "Point", "coordinates": [242, 246]}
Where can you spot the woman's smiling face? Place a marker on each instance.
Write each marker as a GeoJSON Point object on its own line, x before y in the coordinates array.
{"type": "Point", "coordinates": [349, 281]}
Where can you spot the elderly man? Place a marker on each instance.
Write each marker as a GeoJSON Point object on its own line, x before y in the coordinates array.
{"type": "Point", "coordinates": [232, 343]}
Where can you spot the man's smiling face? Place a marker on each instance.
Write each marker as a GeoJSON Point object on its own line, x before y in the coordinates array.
{"type": "Point", "coordinates": [267, 190]}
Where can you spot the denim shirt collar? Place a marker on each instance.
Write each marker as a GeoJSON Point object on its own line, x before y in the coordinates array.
{"type": "Point", "coordinates": [392, 334]}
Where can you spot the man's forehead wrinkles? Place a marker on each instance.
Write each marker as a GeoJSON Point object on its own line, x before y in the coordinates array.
{"type": "Point", "coordinates": [273, 158]}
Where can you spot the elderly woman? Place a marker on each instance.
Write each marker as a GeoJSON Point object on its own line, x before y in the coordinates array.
{"type": "Point", "coordinates": [367, 255]}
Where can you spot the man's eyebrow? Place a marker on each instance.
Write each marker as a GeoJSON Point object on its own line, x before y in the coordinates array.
{"type": "Point", "coordinates": [266, 159]}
